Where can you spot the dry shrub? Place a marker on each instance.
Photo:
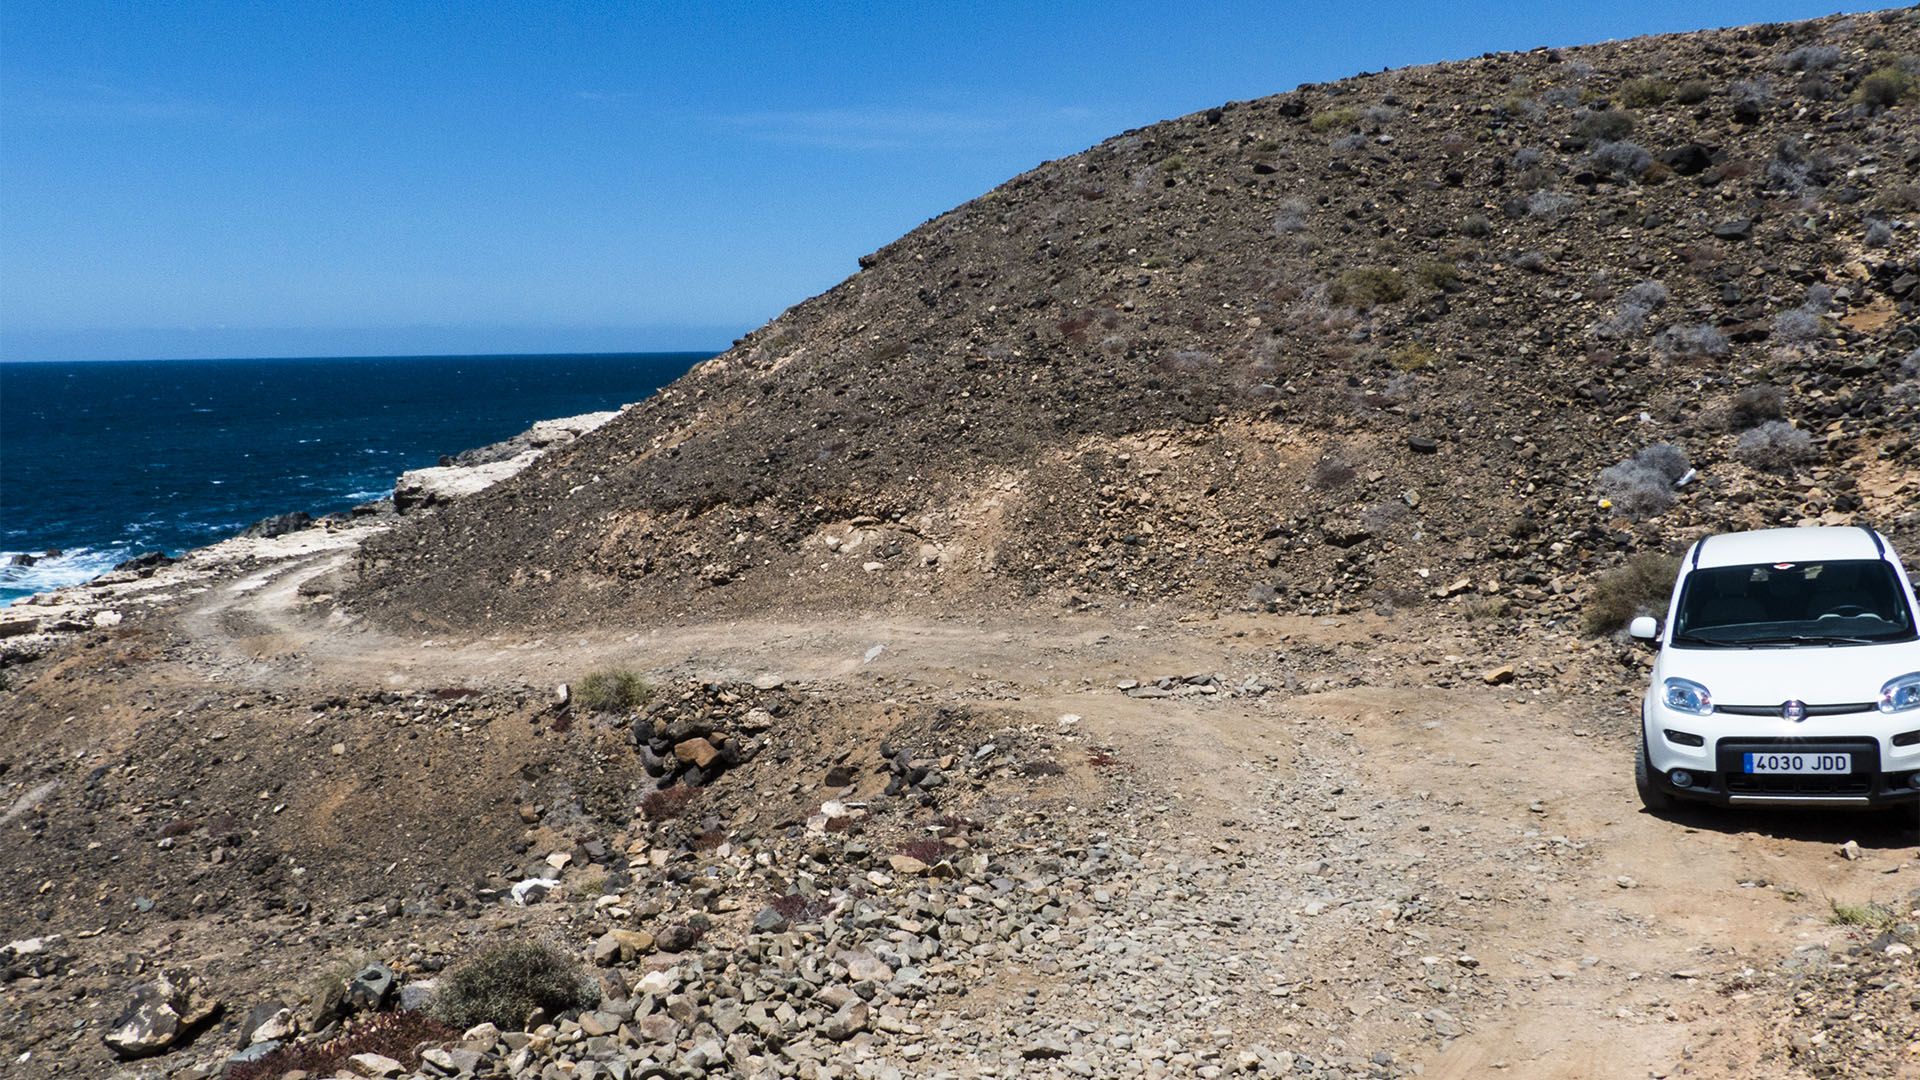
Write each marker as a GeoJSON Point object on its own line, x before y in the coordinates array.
{"type": "Point", "coordinates": [1775, 446]}
{"type": "Point", "coordinates": [1642, 485]}
{"type": "Point", "coordinates": [667, 803]}
{"type": "Point", "coordinates": [1756, 405]}
{"type": "Point", "coordinates": [504, 985]}
{"type": "Point", "coordinates": [927, 851]}
{"type": "Point", "coordinates": [612, 690]}
{"type": "Point", "coordinates": [1640, 586]}
{"type": "Point", "coordinates": [398, 1035]}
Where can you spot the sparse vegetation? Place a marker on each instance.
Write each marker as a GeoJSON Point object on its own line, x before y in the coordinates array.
{"type": "Point", "coordinates": [1775, 446]}
{"type": "Point", "coordinates": [397, 1035]}
{"type": "Point", "coordinates": [1756, 405]}
{"type": "Point", "coordinates": [1605, 127]}
{"type": "Point", "coordinates": [1438, 275]}
{"type": "Point", "coordinates": [1624, 160]}
{"type": "Point", "coordinates": [667, 803]}
{"type": "Point", "coordinates": [1700, 339]}
{"type": "Point", "coordinates": [1630, 314]}
{"type": "Point", "coordinates": [1409, 358]}
{"type": "Point", "coordinates": [1640, 586]}
{"type": "Point", "coordinates": [613, 690]}
{"type": "Point", "coordinates": [1884, 88]}
{"type": "Point", "coordinates": [1867, 915]}
{"type": "Point", "coordinates": [505, 984]}
{"type": "Point", "coordinates": [1364, 287]}
{"type": "Point", "coordinates": [1692, 92]}
{"type": "Point", "coordinates": [1484, 608]}
{"type": "Point", "coordinates": [1644, 93]}
{"type": "Point", "coordinates": [1642, 485]}
{"type": "Point", "coordinates": [1334, 120]}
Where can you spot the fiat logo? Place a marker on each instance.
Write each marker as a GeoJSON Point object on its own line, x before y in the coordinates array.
{"type": "Point", "coordinates": [1795, 711]}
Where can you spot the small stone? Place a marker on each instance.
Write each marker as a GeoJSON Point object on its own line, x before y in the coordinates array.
{"type": "Point", "coordinates": [1046, 1048]}
{"type": "Point", "coordinates": [1626, 882]}
{"type": "Point", "coordinates": [1850, 850]}
{"type": "Point", "coordinates": [1420, 444]}
{"type": "Point", "coordinates": [695, 751]}
{"type": "Point", "coordinates": [906, 864]}
{"type": "Point", "coordinates": [1499, 676]}
{"type": "Point", "coordinates": [376, 1065]}
{"type": "Point", "coordinates": [847, 1021]}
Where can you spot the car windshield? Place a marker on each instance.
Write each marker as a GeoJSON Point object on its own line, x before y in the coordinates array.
{"type": "Point", "coordinates": [1842, 602]}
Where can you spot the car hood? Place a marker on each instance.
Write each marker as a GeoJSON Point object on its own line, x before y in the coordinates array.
{"type": "Point", "coordinates": [1819, 675]}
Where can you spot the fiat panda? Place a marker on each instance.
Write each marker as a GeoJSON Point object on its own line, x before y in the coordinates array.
{"type": "Point", "coordinates": [1788, 673]}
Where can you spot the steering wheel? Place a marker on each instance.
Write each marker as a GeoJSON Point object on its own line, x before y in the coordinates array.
{"type": "Point", "coordinates": [1848, 611]}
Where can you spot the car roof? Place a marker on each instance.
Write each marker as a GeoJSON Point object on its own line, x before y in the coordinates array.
{"type": "Point", "coordinates": [1812, 544]}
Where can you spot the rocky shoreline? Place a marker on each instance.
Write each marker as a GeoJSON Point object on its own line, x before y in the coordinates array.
{"type": "Point", "coordinates": [32, 625]}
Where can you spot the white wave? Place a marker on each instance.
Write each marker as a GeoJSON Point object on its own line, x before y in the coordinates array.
{"type": "Point", "coordinates": [70, 567]}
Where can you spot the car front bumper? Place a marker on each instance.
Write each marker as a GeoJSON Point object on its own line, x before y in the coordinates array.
{"type": "Point", "coordinates": [1883, 773]}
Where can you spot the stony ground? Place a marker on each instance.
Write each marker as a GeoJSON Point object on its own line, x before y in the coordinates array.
{"type": "Point", "coordinates": [1126, 843]}
{"type": "Point", "coordinates": [1132, 627]}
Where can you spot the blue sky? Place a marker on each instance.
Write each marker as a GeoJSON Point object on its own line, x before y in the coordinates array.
{"type": "Point", "coordinates": [291, 178]}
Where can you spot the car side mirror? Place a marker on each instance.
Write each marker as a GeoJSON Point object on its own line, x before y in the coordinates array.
{"type": "Point", "coordinates": [1645, 628]}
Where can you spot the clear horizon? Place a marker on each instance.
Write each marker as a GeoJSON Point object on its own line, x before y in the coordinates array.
{"type": "Point", "coordinates": [203, 180]}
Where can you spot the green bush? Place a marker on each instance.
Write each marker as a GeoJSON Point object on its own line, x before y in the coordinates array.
{"type": "Point", "coordinates": [1605, 127]}
{"type": "Point", "coordinates": [1640, 586]}
{"type": "Point", "coordinates": [1644, 93]}
{"type": "Point", "coordinates": [1884, 88]}
{"type": "Point", "coordinates": [1438, 275]}
{"type": "Point", "coordinates": [505, 984]}
{"type": "Point", "coordinates": [612, 691]}
{"type": "Point", "coordinates": [1334, 119]}
{"type": "Point", "coordinates": [1412, 358]}
{"type": "Point", "coordinates": [1692, 92]}
{"type": "Point", "coordinates": [1364, 286]}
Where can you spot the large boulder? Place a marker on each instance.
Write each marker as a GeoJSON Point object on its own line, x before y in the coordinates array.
{"type": "Point", "coordinates": [161, 1014]}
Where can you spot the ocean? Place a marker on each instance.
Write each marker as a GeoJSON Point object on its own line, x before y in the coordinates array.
{"type": "Point", "coordinates": [103, 461]}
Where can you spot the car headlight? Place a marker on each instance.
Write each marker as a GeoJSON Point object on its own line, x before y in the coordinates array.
{"type": "Point", "coordinates": [1687, 696]}
{"type": "Point", "coordinates": [1901, 694]}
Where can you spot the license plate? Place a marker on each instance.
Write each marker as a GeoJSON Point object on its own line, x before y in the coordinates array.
{"type": "Point", "coordinates": [1799, 763]}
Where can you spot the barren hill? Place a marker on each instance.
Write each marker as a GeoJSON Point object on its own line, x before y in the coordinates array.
{"type": "Point", "coordinates": [1290, 352]}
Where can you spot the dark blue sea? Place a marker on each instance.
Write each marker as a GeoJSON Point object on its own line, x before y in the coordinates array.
{"type": "Point", "coordinates": [103, 461]}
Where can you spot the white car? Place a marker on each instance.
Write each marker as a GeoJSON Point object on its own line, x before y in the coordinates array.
{"type": "Point", "coordinates": [1788, 674]}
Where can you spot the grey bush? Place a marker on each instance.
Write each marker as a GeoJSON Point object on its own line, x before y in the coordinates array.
{"type": "Point", "coordinates": [1700, 339]}
{"type": "Point", "coordinates": [1526, 158]}
{"type": "Point", "coordinates": [1292, 216]}
{"type": "Point", "coordinates": [1347, 144]}
{"type": "Point", "coordinates": [1642, 485]}
{"type": "Point", "coordinates": [1910, 367]}
{"type": "Point", "coordinates": [1811, 58]}
{"type": "Point", "coordinates": [1548, 204]}
{"type": "Point", "coordinates": [1630, 315]}
{"type": "Point", "coordinates": [1750, 92]}
{"type": "Point", "coordinates": [1798, 325]}
{"type": "Point", "coordinates": [1624, 160]}
{"type": "Point", "coordinates": [1879, 234]}
{"type": "Point", "coordinates": [1775, 446]}
{"type": "Point", "coordinates": [1648, 296]}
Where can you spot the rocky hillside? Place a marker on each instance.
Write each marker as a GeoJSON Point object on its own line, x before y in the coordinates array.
{"type": "Point", "coordinates": [1361, 344]}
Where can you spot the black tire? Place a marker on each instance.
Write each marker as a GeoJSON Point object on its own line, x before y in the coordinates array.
{"type": "Point", "coordinates": [1655, 800]}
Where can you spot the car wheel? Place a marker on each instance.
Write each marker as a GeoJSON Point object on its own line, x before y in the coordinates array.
{"type": "Point", "coordinates": [1651, 797]}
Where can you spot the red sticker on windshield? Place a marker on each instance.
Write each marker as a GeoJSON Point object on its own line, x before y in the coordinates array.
{"type": "Point", "coordinates": [1783, 566]}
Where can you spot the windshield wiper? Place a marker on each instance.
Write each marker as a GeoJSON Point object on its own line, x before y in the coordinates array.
{"type": "Point", "coordinates": [1808, 639]}
{"type": "Point", "coordinates": [1711, 643]}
